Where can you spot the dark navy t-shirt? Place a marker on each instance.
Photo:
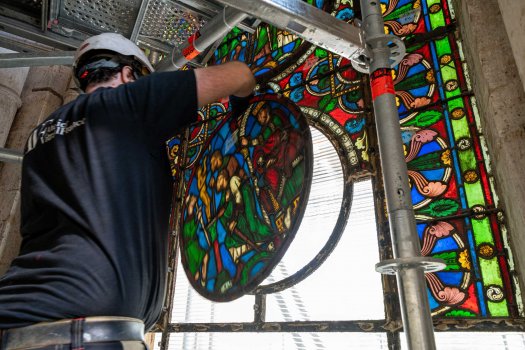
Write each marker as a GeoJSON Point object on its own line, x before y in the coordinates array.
{"type": "Point", "coordinates": [96, 196]}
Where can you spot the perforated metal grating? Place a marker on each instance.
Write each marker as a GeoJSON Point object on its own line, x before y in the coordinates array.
{"type": "Point", "coordinates": [168, 23]}
{"type": "Point", "coordinates": [102, 15]}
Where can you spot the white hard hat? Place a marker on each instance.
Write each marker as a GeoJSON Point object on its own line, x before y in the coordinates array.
{"type": "Point", "coordinates": [111, 42]}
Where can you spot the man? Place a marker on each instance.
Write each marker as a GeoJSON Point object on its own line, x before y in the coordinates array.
{"type": "Point", "coordinates": [96, 194]}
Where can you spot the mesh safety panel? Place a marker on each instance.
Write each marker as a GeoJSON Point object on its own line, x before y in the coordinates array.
{"type": "Point", "coordinates": [102, 15]}
{"type": "Point", "coordinates": [166, 22]}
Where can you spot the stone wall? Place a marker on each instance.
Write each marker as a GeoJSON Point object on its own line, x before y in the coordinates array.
{"type": "Point", "coordinates": [501, 98]}
{"type": "Point", "coordinates": [42, 93]}
{"type": "Point", "coordinates": [513, 14]}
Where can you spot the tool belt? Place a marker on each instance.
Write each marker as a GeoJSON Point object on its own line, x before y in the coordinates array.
{"type": "Point", "coordinates": [76, 332]}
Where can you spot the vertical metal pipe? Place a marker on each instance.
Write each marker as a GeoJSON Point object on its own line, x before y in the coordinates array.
{"type": "Point", "coordinates": [44, 15]}
{"type": "Point", "coordinates": [417, 321]}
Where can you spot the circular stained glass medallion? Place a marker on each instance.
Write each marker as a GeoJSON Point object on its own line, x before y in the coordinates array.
{"type": "Point", "coordinates": [245, 198]}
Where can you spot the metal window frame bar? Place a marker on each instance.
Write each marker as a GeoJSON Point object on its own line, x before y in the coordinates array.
{"type": "Point", "coordinates": [12, 60]}
{"type": "Point", "coordinates": [366, 326]}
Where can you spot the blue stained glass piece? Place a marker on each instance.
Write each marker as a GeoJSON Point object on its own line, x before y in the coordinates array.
{"type": "Point", "coordinates": [227, 261]}
{"type": "Point", "coordinates": [417, 68]}
{"type": "Point", "coordinates": [420, 91]}
{"type": "Point", "coordinates": [445, 244]}
{"type": "Point", "coordinates": [450, 278]}
{"type": "Point", "coordinates": [202, 239]}
{"type": "Point", "coordinates": [416, 196]}
{"type": "Point", "coordinates": [262, 71]}
{"type": "Point", "coordinates": [246, 257]}
{"type": "Point", "coordinates": [288, 47]}
{"type": "Point", "coordinates": [436, 174]}
{"type": "Point", "coordinates": [256, 268]}
{"type": "Point", "coordinates": [297, 94]}
{"type": "Point", "coordinates": [421, 229]}
{"type": "Point", "coordinates": [296, 79]}
{"type": "Point", "coordinates": [355, 125]}
{"type": "Point", "coordinates": [430, 147]}
{"type": "Point", "coordinates": [210, 284]}
{"type": "Point", "coordinates": [212, 266]}
{"type": "Point", "coordinates": [433, 303]}
{"type": "Point", "coordinates": [221, 232]}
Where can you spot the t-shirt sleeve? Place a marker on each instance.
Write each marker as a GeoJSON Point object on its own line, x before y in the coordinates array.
{"type": "Point", "coordinates": [165, 101]}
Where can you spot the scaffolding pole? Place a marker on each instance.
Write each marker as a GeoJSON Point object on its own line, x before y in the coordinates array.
{"type": "Point", "coordinates": [408, 265]}
{"type": "Point", "coordinates": [10, 155]}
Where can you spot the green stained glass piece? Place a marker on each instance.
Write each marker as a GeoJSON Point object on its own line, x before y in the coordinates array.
{"type": "Point", "coordinates": [450, 259]}
{"type": "Point", "coordinates": [498, 309]}
{"type": "Point", "coordinates": [461, 128]}
{"type": "Point", "coordinates": [428, 161]}
{"type": "Point", "coordinates": [490, 271]}
{"type": "Point", "coordinates": [482, 231]}
{"type": "Point", "coordinates": [436, 13]}
{"type": "Point", "coordinates": [262, 38]}
{"type": "Point", "coordinates": [474, 194]}
{"type": "Point", "coordinates": [460, 313]}
{"type": "Point", "coordinates": [328, 103]}
{"type": "Point", "coordinates": [455, 103]}
{"type": "Point", "coordinates": [424, 119]}
{"type": "Point", "coordinates": [440, 208]}
{"type": "Point", "coordinates": [399, 12]}
{"type": "Point", "coordinates": [413, 81]}
{"type": "Point", "coordinates": [467, 158]}
{"type": "Point", "coordinates": [320, 53]}
{"type": "Point", "coordinates": [443, 47]}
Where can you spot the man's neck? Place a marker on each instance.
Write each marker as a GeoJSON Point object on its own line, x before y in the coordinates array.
{"type": "Point", "coordinates": [113, 83]}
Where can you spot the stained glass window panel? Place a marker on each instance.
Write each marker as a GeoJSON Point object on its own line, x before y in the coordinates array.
{"type": "Point", "coordinates": [458, 218]}
{"type": "Point", "coordinates": [451, 190]}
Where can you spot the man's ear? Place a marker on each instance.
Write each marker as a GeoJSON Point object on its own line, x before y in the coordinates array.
{"type": "Point", "coordinates": [127, 74]}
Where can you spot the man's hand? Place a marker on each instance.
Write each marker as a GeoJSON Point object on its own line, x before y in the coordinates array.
{"type": "Point", "coordinates": [216, 82]}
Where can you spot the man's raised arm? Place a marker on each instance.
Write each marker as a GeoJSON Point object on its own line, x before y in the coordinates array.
{"type": "Point", "coordinates": [216, 82]}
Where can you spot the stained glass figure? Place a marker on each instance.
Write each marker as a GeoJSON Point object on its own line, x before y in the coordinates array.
{"type": "Point", "coordinates": [247, 182]}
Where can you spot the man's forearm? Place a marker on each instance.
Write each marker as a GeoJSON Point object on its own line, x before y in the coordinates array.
{"type": "Point", "coordinates": [216, 82]}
